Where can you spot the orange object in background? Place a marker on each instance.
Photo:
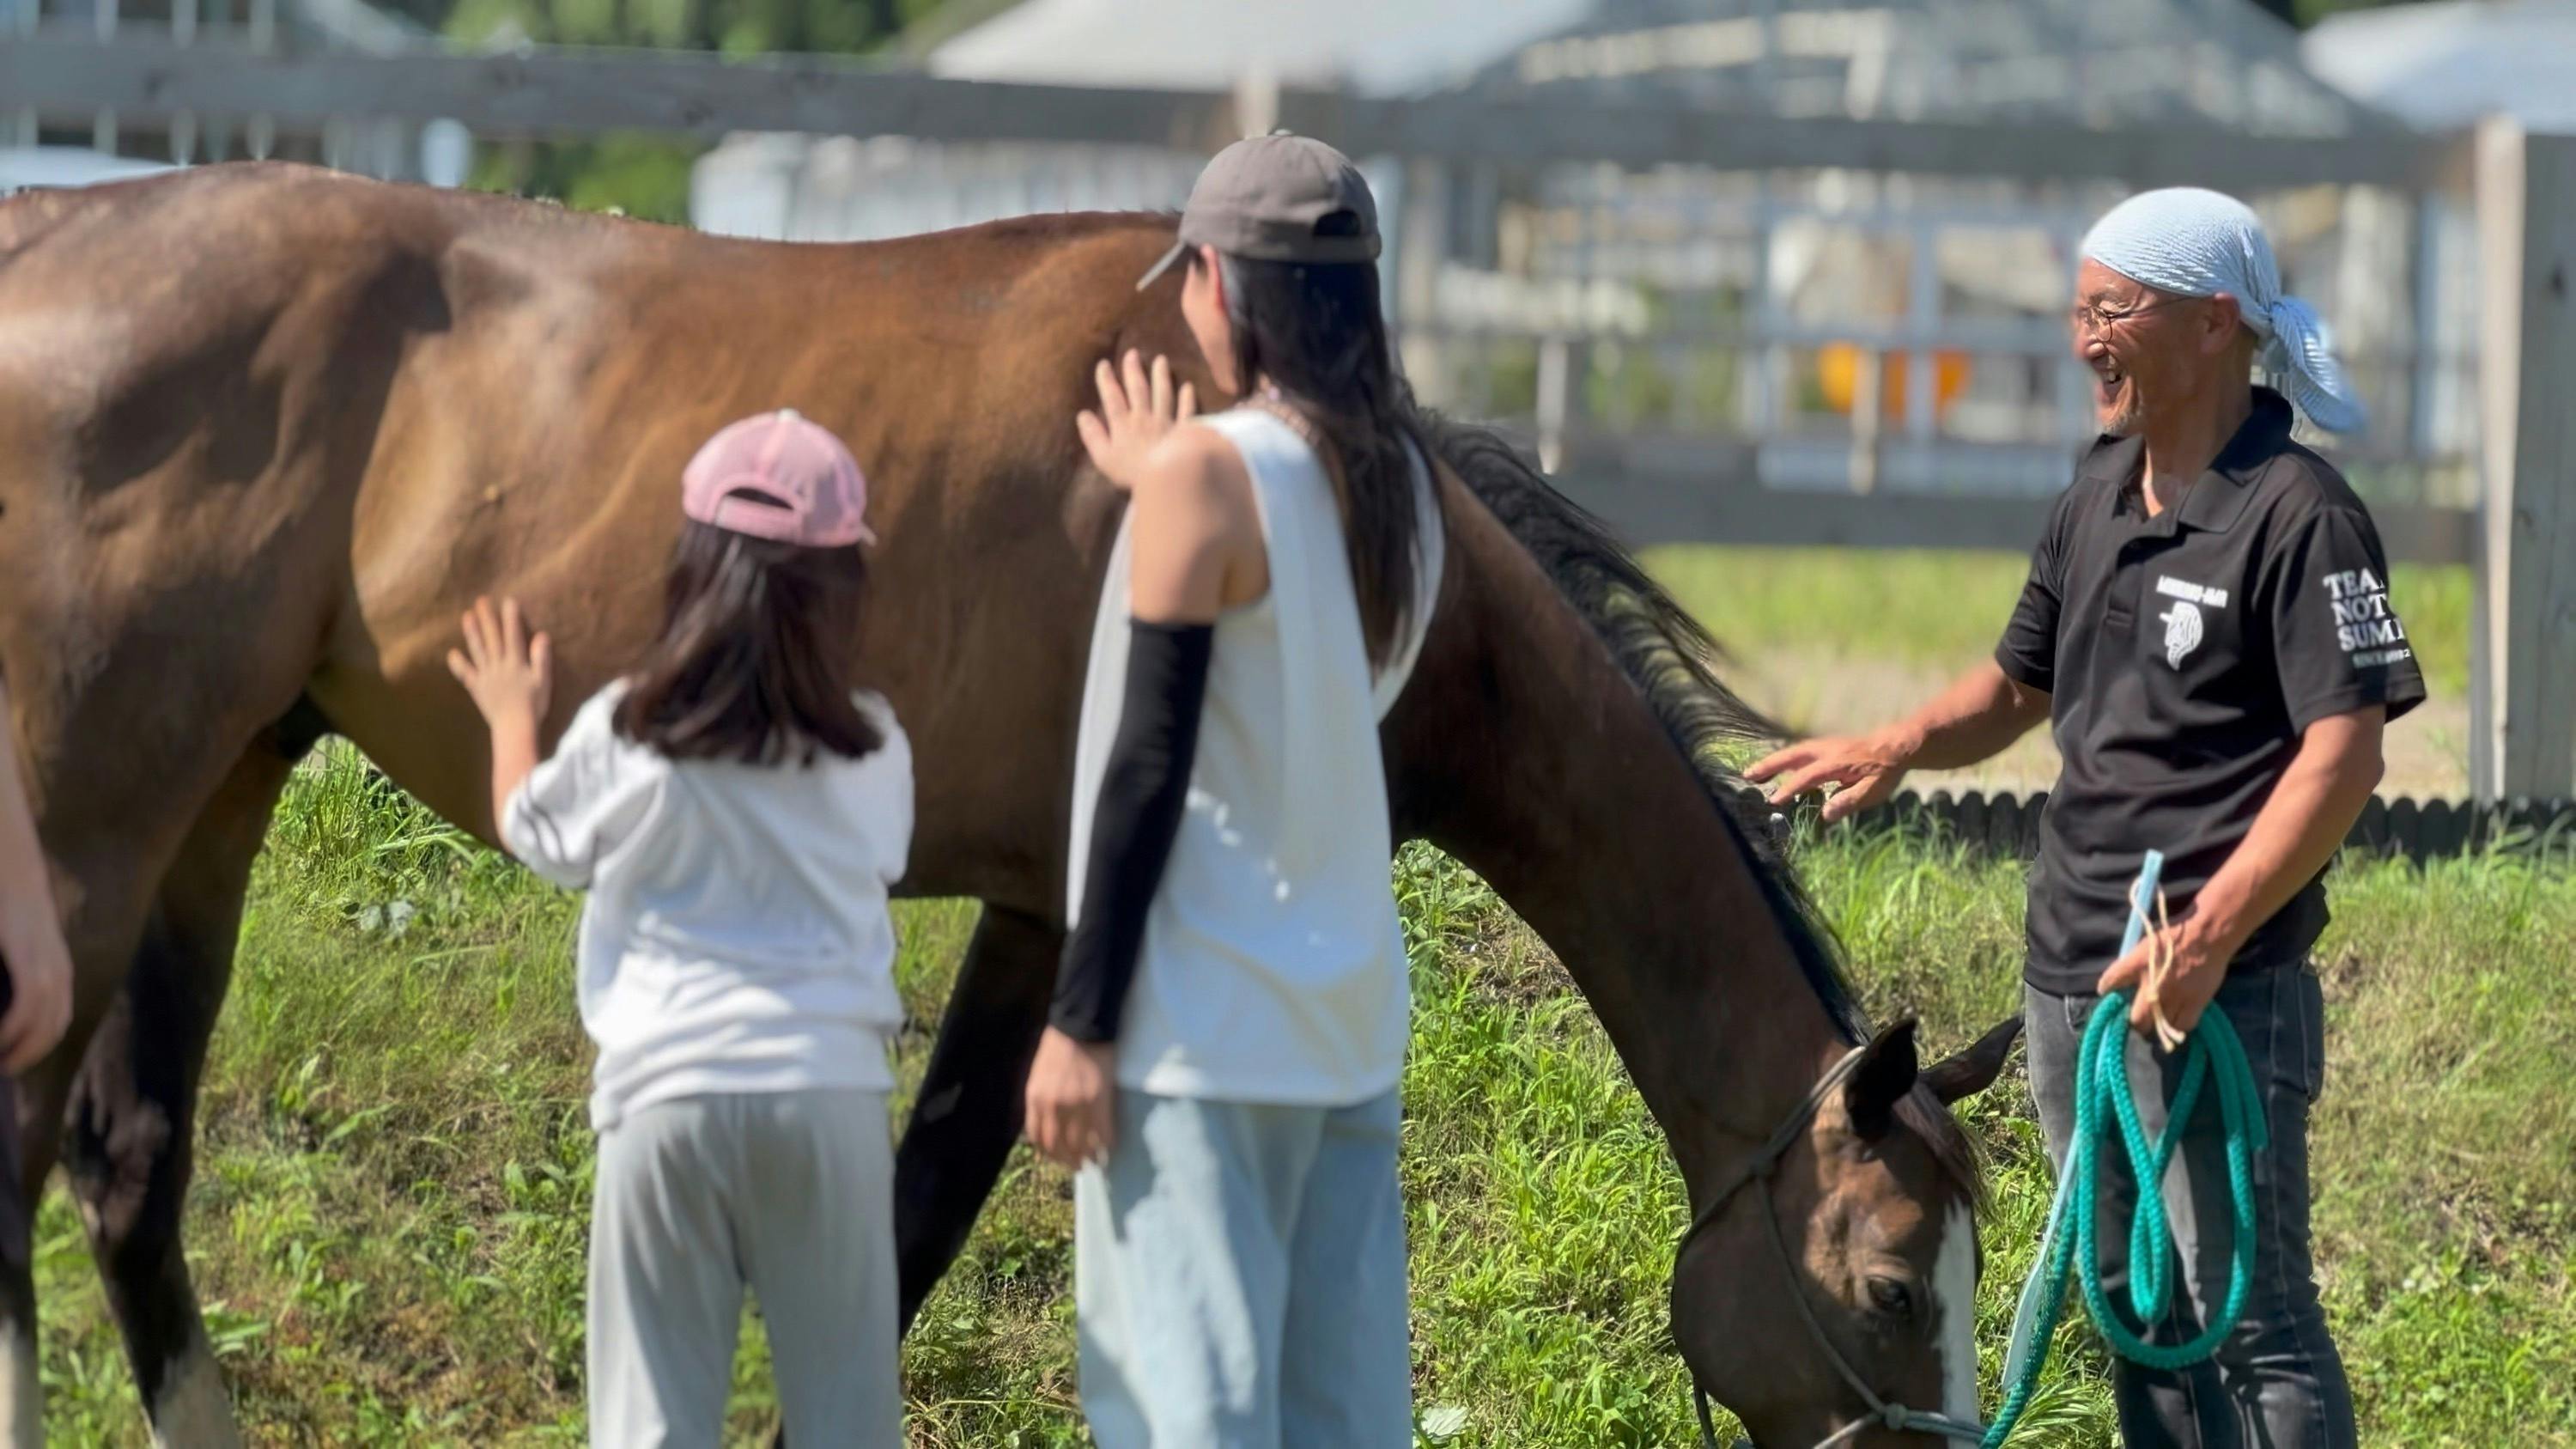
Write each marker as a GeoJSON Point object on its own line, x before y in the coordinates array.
{"type": "Point", "coordinates": [1838, 372]}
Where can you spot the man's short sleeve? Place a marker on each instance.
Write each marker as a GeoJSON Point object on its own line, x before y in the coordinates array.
{"type": "Point", "coordinates": [2028, 652]}
{"type": "Point", "coordinates": [2337, 642]}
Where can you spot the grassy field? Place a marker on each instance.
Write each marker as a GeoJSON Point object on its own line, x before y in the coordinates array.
{"type": "Point", "coordinates": [1948, 608]}
{"type": "Point", "coordinates": [391, 1196]}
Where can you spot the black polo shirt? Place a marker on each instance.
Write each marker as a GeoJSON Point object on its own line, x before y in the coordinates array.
{"type": "Point", "coordinates": [2183, 656]}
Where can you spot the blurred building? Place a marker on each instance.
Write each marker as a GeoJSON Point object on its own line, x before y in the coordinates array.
{"type": "Point", "coordinates": [1690, 320]}
{"type": "Point", "coordinates": [2448, 62]}
{"type": "Point", "coordinates": [22, 167]}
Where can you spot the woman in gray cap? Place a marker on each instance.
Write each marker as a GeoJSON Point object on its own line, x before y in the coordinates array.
{"type": "Point", "coordinates": [1224, 1055]}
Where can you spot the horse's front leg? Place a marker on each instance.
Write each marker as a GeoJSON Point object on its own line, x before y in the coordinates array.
{"type": "Point", "coordinates": [129, 1140]}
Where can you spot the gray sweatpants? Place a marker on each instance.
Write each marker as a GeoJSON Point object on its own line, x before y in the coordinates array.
{"type": "Point", "coordinates": [1239, 1271]}
{"type": "Point", "coordinates": [2276, 1382]}
{"type": "Point", "coordinates": [789, 1192]}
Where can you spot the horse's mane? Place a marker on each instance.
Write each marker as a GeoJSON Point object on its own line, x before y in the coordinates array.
{"type": "Point", "coordinates": [1665, 652]}
{"type": "Point", "coordinates": [1671, 659]}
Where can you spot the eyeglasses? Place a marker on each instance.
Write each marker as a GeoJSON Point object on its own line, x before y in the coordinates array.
{"type": "Point", "coordinates": [2094, 318]}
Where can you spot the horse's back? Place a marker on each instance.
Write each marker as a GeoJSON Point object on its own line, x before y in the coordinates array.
{"type": "Point", "coordinates": [328, 412]}
{"type": "Point", "coordinates": [566, 324]}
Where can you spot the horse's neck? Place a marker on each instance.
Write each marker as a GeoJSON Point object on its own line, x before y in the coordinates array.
{"type": "Point", "coordinates": [1523, 750]}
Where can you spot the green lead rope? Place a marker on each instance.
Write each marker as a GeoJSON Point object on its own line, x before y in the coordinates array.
{"type": "Point", "coordinates": [2105, 1098]}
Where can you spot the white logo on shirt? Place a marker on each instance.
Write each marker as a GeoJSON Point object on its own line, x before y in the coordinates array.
{"type": "Point", "coordinates": [2365, 627]}
{"type": "Point", "coordinates": [2190, 593]}
{"type": "Point", "coordinates": [2182, 631]}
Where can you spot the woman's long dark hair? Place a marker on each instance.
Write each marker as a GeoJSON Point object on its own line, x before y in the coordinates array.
{"type": "Point", "coordinates": [754, 659]}
{"type": "Point", "coordinates": [1317, 335]}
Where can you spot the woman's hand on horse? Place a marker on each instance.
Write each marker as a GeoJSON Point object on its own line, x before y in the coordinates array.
{"type": "Point", "coordinates": [1863, 769]}
{"type": "Point", "coordinates": [1139, 407]}
{"type": "Point", "coordinates": [506, 668]}
{"type": "Point", "coordinates": [40, 983]}
{"type": "Point", "coordinates": [1072, 1101]}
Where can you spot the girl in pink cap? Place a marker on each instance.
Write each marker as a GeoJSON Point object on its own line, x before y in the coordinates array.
{"type": "Point", "coordinates": [737, 812]}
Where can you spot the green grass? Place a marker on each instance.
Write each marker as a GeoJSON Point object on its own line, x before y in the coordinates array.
{"type": "Point", "coordinates": [390, 1207]}
{"type": "Point", "coordinates": [1948, 608]}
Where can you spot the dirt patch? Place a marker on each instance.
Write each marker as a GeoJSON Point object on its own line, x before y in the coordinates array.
{"type": "Point", "coordinates": [2427, 751]}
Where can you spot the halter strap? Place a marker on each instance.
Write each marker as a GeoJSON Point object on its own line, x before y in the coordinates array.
{"type": "Point", "coordinates": [1762, 1166]}
{"type": "Point", "coordinates": [1766, 1160]}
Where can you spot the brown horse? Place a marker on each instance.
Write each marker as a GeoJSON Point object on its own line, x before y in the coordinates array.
{"type": "Point", "coordinates": [265, 430]}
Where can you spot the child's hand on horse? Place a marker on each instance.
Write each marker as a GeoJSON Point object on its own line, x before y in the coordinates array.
{"type": "Point", "coordinates": [1139, 407]}
{"type": "Point", "coordinates": [506, 668]}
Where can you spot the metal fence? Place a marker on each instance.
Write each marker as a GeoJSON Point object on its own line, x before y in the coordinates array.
{"type": "Point", "coordinates": [2007, 825]}
{"type": "Point", "coordinates": [1684, 405]}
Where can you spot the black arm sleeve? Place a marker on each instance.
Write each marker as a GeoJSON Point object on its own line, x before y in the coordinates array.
{"type": "Point", "coordinates": [1142, 793]}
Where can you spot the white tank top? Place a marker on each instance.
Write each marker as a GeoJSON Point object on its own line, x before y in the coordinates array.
{"type": "Point", "coordinates": [1273, 967]}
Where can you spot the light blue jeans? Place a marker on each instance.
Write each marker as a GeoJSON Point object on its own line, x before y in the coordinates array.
{"type": "Point", "coordinates": [1239, 1272]}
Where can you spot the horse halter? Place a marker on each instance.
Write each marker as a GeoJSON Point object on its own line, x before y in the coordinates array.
{"type": "Point", "coordinates": [1763, 1166]}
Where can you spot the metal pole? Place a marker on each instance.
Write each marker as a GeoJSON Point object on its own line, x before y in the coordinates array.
{"type": "Point", "coordinates": [103, 125]}
{"type": "Point", "coordinates": [1555, 379]}
{"type": "Point", "coordinates": [1864, 419]}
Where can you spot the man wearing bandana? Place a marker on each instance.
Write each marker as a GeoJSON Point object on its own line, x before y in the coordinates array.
{"type": "Point", "coordinates": [2208, 628]}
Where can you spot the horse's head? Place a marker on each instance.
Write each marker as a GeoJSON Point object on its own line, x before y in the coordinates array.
{"type": "Point", "coordinates": [1552, 743]}
{"type": "Point", "coordinates": [1839, 1265]}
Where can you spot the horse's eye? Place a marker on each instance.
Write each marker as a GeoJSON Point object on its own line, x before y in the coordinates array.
{"type": "Point", "coordinates": [1891, 1297]}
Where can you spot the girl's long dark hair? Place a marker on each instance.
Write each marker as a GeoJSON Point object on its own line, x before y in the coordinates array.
{"type": "Point", "coordinates": [754, 659]}
{"type": "Point", "coordinates": [1317, 335]}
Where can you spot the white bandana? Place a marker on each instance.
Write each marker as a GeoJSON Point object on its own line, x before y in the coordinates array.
{"type": "Point", "coordinates": [2197, 243]}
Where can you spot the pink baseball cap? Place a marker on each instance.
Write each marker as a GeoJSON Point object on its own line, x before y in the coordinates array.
{"type": "Point", "coordinates": [778, 476]}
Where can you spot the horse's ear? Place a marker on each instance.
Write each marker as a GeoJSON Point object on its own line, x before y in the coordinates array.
{"type": "Point", "coordinates": [1885, 1074]}
{"type": "Point", "coordinates": [1975, 1067]}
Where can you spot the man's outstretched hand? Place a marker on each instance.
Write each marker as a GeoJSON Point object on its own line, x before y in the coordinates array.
{"type": "Point", "coordinates": [1862, 770]}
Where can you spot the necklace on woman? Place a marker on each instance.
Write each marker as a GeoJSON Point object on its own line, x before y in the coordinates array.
{"type": "Point", "coordinates": [1274, 402]}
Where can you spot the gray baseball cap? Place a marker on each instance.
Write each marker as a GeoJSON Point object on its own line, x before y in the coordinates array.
{"type": "Point", "coordinates": [1276, 198]}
